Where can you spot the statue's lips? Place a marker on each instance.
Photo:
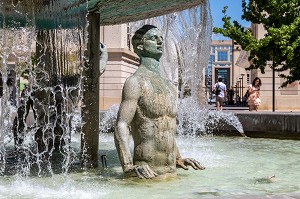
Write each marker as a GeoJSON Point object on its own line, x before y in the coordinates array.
{"type": "Point", "coordinates": [159, 47]}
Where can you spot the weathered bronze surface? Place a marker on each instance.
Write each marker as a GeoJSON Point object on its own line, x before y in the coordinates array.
{"type": "Point", "coordinates": [149, 109]}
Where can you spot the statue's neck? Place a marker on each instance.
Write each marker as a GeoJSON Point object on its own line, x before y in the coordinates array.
{"type": "Point", "coordinates": [151, 64]}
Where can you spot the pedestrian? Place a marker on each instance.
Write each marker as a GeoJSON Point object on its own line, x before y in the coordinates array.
{"type": "Point", "coordinates": [220, 91]}
{"type": "Point", "coordinates": [254, 94]}
{"type": "Point", "coordinates": [28, 101]}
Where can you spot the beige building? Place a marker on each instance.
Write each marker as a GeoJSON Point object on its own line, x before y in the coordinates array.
{"type": "Point", "coordinates": [122, 62]}
{"type": "Point", "coordinates": [227, 59]}
{"type": "Point", "coordinates": [224, 57]}
{"type": "Point", "coordinates": [286, 99]}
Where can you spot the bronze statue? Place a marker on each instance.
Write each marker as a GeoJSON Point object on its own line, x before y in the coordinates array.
{"type": "Point", "coordinates": [148, 111]}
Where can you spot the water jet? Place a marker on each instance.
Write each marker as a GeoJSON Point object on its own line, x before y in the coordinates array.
{"type": "Point", "coordinates": [218, 154]}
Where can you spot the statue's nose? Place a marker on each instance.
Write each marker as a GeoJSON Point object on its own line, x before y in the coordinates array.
{"type": "Point", "coordinates": [159, 41]}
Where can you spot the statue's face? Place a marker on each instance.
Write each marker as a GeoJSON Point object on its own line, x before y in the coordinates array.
{"type": "Point", "coordinates": [152, 44]}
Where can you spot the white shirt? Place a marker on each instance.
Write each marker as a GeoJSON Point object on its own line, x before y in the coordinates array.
{"type": "Point", "coordinates": [222, 88]}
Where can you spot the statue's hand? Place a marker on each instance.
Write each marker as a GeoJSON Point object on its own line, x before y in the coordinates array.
{"type": "Point", "coordinates": [184, 163]}
{"type": "Point", "coordinates": [143, 171]}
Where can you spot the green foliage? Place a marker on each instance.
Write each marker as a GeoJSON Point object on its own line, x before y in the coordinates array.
{"type": "Point", "coordinates": [281, 44]}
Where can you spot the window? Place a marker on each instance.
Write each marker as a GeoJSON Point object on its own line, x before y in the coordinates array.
{"type": "Point", "coordinates": [212, 58]}
{"type": "Point", "coordinates": [208, 70]}
{"type": "Point", "coordinates": [222, 56]}
{"type": "Point", "coordinates": [248, 78]}
{"type": "Point", "coordinates": [213, 49]}
{"type": "Point", "coordinates": [128, 37]}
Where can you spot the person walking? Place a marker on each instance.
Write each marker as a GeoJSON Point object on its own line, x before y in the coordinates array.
{"type": "Point", "coordinates": [254, 94]}
{"type": "Point", "coordinates": [220, 91]}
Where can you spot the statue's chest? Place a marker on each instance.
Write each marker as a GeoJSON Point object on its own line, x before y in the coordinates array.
{"type": "Point", "coordinates": [158, 98]}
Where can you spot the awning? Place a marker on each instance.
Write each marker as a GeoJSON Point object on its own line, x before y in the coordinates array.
{"type": "Point", "coordinates": [49, 14]}
{"type": "Point", "coordinates": [122, 11]}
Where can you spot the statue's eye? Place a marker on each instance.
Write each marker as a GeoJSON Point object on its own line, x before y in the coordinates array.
{"type": "Point", "coordinates": [153, 38]}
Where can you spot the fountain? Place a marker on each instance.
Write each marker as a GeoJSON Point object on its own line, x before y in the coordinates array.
{"type": "Point", "coordinates": [27, 176]}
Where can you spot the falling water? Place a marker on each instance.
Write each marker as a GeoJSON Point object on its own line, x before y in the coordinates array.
{"type": "Point", "coordinates": [18, 54]}
{"type": "Point", "coordinates": [50, 61]}
{"type": "Point", "coordinates": [187, 37]}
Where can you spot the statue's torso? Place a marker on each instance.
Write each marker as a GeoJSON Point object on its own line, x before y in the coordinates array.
{"type": "Point", "coordinates": [154, 124]}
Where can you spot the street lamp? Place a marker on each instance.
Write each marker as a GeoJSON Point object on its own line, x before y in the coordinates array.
{"type": "Point", "coordinates": [238, 97]}
{"type": "Point", "coordinates": [242, 84]}
{"type": "Point", "coordinates": [241, 89]}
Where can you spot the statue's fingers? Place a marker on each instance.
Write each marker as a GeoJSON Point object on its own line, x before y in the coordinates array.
{"type": "Point", "coordinates": [144, 172]}
{"type": "Point", "coordinates": [181, 165]}
{"type": "Point", "coordinates": [151, 172]}
{"type": "Point", "coordinates": [199, 166]}
{"type": "Point", "coordinates": [148, 172]}
{"type": "Point", "coordinates": [195, 164]}
{"type": "Point", "coordinates": [192, 164]}
{"type": "Point", "coordinates": [137, 172]}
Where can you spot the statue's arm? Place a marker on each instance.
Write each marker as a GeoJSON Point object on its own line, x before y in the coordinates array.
{"type": "Point", "coordinates": [130, 96]}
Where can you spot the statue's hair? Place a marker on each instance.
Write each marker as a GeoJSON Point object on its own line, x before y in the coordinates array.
{"type": "Point", "coordinates": [138, 36]}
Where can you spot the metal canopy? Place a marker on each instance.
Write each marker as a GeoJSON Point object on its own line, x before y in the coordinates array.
{"type": "Point", "coordinates": [122, 11]}
{"type": "Point", "coordinates": [49, 14]}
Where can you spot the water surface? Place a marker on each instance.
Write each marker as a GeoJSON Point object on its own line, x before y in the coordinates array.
{"type": "Point", "coordinates": [234, 166]}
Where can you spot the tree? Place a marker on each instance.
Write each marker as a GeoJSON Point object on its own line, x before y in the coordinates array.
{"type": "Point", "coordinates": [281, 44]}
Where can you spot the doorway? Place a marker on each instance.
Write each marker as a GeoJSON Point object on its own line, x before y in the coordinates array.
{"type": "Point", "coordinates": [225, 74]}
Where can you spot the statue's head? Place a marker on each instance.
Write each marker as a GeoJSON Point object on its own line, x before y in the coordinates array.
{"type": "Point", "coordinates": [148, 42]}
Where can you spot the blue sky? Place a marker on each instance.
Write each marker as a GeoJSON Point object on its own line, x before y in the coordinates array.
{"type": "Point", "coordinates": [234, 11]}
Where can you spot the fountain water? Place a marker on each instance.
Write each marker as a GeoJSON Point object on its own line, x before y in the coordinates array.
{"type": "Point", "coordinates": [187, 48]}
{"type": "Point", "coordinates": [246, 158]}
{"type": "Point", "coordinates": [50, 62]}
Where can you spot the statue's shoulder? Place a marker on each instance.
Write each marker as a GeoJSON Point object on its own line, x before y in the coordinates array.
{"type": "Point", "coordinates": [131, 89]}
{"type": "Point", "coordinates": [135, 78]}
{"type": "Point", "coordinates": [133, 82]}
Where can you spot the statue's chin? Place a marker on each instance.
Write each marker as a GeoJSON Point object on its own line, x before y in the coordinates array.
{"type": "Point", "coordinates": [157, 56]}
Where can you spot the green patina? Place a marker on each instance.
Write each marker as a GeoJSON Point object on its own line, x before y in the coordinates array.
{"type": "Point", "coordinates": [70, 13]}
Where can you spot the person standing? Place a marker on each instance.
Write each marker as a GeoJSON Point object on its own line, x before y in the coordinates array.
{"type": "Point", "coordinates": [28, 101]}
{"type": "Point", "coordinates": [254, 94]}
{"type": "Point", "coordinates": [220, 91]}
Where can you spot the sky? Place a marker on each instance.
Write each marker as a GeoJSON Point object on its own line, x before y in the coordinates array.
{"type": "Point", "coordinates": [234, 11]}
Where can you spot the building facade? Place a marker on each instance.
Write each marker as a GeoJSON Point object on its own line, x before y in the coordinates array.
{"type": "Point", "coordinates": [227, 59]}
{"type": "Point", "coordinates": [122, 62]}
{"type": "Point", "coordinates": [222, 62]}
{"type": "Point", "coordinates": [285, 99]}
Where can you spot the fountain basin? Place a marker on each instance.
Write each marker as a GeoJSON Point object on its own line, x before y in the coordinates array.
{"type": "Point", "coordinates": [235, 166]}
{"type": "Point", "coordinates": [281, 125]}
